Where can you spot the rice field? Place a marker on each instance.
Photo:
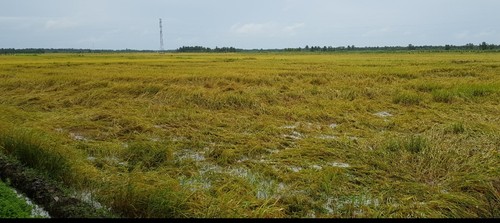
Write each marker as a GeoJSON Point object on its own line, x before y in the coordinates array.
{"type": "Point", "coordinates": [261, 135]}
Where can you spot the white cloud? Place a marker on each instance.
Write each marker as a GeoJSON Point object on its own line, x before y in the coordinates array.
{"type": "Point", "coordinates": [290, 5]}
{"type": "Point", "coordinates": [378, 32]}
{"type": "Point", "coordinates": [63, 23]}
{"type": "Point", "coordinates": [253, 28]}
{"type": "Point", "coordinates": [462, 35]}
{"type": "Point", "coordinates": [292, 28]}
{"type": "Point", "coordinates": [485, 34]}
{"type": "Point", "coordinates": [268, 29]}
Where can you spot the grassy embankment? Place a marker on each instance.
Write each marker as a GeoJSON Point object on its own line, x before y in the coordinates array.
{"type": "Point", "coordinates": [262, 135]}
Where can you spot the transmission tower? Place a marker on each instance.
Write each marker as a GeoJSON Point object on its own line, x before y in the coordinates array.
{"type": "Point", "coordinates": [161, 37]}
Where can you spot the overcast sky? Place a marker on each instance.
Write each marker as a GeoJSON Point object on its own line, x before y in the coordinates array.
{"type": "Point", "coordinates": [248, 24]}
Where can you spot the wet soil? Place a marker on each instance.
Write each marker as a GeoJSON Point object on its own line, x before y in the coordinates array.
{"type": "Point", "coordinates": [46, 193]}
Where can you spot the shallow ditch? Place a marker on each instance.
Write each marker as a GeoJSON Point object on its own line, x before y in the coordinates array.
{"type": "Point", "coordinates": [44, 193]}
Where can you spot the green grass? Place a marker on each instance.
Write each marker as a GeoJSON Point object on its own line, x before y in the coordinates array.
{"type": "Point", "coordinates": [278, 135]}
{"type": "Point", "coordinates": [443, 96]}
{"type": "Point", "coordinates": [456, 128]}
{"type": "Point", "coordinates": [148, 155]}
{"type": "Point", "coordinates": [12, 206]}
{"type": "Point", "coordinates": [32, 147]}
{"type": "Point", "coordinates": [466, 92]}
{"type": "Point", "coordinates": [407, 98]}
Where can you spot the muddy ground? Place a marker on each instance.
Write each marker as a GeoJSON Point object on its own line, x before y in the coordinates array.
{"type": "Point", "coordinates": [46, 193]}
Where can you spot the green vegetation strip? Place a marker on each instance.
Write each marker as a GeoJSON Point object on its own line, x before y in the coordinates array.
{"type": "Point", "coordinates": [11, 206]}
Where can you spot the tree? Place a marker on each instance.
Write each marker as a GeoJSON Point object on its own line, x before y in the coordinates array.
{"type": "Point", "coordinates": [483, 46]}
{"type": "Point", "coordinates": [469, 46]}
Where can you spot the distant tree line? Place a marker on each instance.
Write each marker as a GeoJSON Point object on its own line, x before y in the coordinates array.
{"type": "Point", "coordinates": [200, 49]}
{"type": "Point", "coordinates": [466, 47]}
{"type": "Point", "coordinates": [307, 48]}
{"type": "Point", "coordinates": [64, 50]}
